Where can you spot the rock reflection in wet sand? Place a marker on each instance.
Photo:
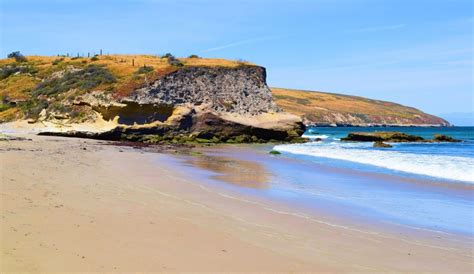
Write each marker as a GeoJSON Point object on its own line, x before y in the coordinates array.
{"type": "Point", "coordinates": [233, 171]}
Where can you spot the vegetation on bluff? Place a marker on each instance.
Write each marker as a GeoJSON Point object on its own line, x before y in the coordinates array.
{"type": "Point", "coordinates": [144, 69]}
{"type": "Point", "coordinates": [84, 79]}
{"type": "Point", "coordinates": [17, 56]}
{"type": "Point", "coordinates": [30, 83]}
{"type": "Point", "coordinates": [8, 70]}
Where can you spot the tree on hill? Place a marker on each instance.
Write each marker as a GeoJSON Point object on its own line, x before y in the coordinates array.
{"type": "Point", "coordinates": [168, 55]}
{"type": "Point", "coordinates": [18, 56]}
{"type": "Point", "coordinates": [175, 61]}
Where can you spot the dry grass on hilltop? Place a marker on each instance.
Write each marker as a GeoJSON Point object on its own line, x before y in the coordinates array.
{"type": "Point", "coordinates": [301, 102]}
{"type": "Point", "coordinates": [125, 68]}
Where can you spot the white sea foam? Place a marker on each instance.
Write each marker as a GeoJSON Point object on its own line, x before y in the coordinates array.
{"type": "Point", "coordinates": [441, 166]}
{"type": "Point", "coordinates": [311, 136]}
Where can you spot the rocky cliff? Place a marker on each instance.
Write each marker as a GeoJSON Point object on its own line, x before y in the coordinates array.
{"type": "Point", "coordinates": [213, 103]}
{"type": "Point", "coordinates": [329, 109]}
{"type": "Point", "coordinates": [241, 90]}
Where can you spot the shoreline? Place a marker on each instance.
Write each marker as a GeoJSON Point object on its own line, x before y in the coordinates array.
{"type": "Point", "coordinates": [91, 205]}
{"type": "Point", "coordinates": [276, 191]}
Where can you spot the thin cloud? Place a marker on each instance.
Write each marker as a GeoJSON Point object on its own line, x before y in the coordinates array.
{"type": "Point", "coordinates": [347, 67]}
{"type": "Point", "coordinates": [242, 42]}
{"type": "Point", "coordinates": [466, 62]}
{"type": "Point", "coordinates": [380, 28]}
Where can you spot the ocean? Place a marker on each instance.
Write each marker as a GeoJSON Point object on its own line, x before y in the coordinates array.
{"type": "Point", "coordinates": [419, 185]}
{"type": "Point", "coordinates": [413, 186]}
{"type": "Point", "coordinates": [446, 161]}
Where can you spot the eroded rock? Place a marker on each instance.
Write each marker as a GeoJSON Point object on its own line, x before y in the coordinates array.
{"type": "Point", "coordinates": [395, 137]}
{"type": "Point", "coordinates": [217, 104]}
{"type": "Point", "coordinates": [240, 90]}
{"type": "Point", "coordinates": [444, 138]}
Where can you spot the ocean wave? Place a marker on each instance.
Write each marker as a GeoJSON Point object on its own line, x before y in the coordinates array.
{"type": "Point", "coordinates": [440, 166]}
{"type": "Point", "coordinates": [311, 136]}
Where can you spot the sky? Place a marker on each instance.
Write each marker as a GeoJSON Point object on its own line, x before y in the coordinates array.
{"type": "Point", "coordinates": [414, 52]}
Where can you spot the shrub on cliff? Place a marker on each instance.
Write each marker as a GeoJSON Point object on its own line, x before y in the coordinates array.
{"type": "Point", "coordinates": [144, 69]}
{"type": "Point", "coordinates": [4, 106]}
{"type": "Point", "coordinates": [84, 79]}
{"type": "Point", "coordinates": [175, 62]}
{"type": "Point", "coordinates": [33, 107]}
{"type": "Point", "coordinates": [167, 55]}
{"type": "Point", "coordinates": [8, 70]}
{"type": "Point", "coordinates": [18, 56]}
{"type": "Point", "coordinates": [57, 61]}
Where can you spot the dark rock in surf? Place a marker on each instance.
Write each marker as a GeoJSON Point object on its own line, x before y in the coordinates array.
{"type": "Point", "coordinates": [380, 144]}
{"type": "Point", "coordinates": [395, 137]}
{"type": "Point", "coordinates": [444, 138]}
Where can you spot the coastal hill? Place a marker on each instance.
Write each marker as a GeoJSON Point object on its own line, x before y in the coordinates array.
{"type": "Point", "coordinates": [144, 98]}
{"type": "Point", "coordinates": [321, 108]}
{"type": "Point", "coordinates": [140, 97]}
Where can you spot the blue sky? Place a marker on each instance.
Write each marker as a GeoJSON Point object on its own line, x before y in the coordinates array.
{"type": "Point", "coordinates": [418, 53]}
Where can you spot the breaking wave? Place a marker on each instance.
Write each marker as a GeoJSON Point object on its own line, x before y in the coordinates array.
{"type": "Point", "coordinates": [456, 168]}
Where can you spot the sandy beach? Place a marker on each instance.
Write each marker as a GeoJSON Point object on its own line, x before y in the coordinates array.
{"type": "Point", "coordinates": [84, 205]}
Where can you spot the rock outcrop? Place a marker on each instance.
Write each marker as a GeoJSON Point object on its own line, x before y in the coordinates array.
{"type": "Point", "coordinates": [444, 138]}
{"type": "Point", "coordinates": [212, 103]}
{"type": "Point", "coordinates": [241, 90]}
{"type": "Point", "coordinates": [394, 137]}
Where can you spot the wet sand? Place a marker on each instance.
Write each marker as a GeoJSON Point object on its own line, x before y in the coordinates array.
{"type": "Point", "coordinates": [81, 205]}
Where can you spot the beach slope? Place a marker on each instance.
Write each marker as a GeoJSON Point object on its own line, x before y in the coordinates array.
{"type": "Point", "coordinates": [83, 205]}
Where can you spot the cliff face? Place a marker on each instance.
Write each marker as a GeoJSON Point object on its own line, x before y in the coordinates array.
{"type": "Point", "coordinates": [241, 90]}
{"type": "Point", "coordinates": [320, 108]}
{"type": "Point", "coordinates": [207, 102]}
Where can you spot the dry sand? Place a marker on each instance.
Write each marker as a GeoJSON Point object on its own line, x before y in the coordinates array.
{"type": "Point", "coordinates": [81, 205]}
